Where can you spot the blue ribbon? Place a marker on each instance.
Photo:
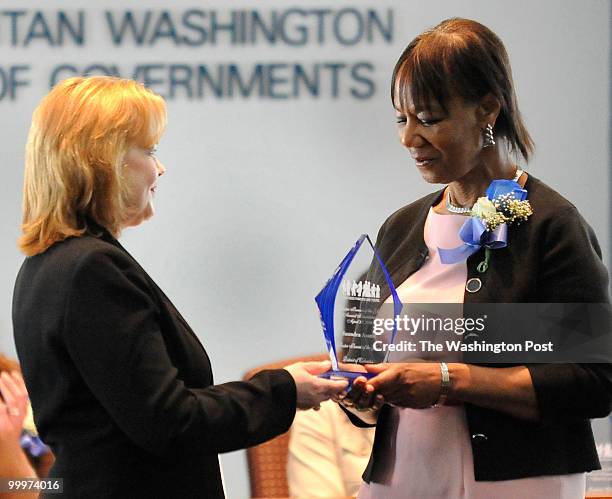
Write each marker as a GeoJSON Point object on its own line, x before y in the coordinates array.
{"type": "Point", "coordinates": [474, 233]}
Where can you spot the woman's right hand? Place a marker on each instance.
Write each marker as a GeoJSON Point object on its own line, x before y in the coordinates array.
{"type": "Point", "coordinates": [312, 390]}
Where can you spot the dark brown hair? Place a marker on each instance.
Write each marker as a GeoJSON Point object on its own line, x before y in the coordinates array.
{"type": "Point", "coordinates": [461, 57]}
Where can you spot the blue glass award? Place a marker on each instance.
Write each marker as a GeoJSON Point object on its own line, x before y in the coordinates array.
{"type": "Point", "coordinates": [350, 306]}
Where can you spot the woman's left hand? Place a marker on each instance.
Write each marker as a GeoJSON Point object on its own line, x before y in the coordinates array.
{"type": "Point", "coordinates": [414, 385]}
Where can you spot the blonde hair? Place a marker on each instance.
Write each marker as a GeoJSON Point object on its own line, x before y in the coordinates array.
{"type": "Point", "coordinates": [79, 136]}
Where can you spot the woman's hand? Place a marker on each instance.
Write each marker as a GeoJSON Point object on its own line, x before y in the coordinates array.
{"type": "Point", "coordinates": [358, 396]}
{"type": "Point", "coordinates": [312, 390]}
{"type": "Point", "coordinates": [415, 385]}
{"type": "Point", "coordinates": [361, 396]}
{"type": "Point", "coordinates": [13, 407]}
{"type": "Point", "coordinates": [418, 385]}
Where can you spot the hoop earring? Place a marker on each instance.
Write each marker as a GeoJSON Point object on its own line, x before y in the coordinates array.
{"type": "Point", "coordinates": [488, 140]}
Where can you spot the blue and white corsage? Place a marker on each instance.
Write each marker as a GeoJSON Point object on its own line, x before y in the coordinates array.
{"type": "Point", "coordinates": [505, 204]}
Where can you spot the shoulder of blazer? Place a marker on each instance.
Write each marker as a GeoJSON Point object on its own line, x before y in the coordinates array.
{"type": "Point", "coordinates": [65, 259]}
{"type": "Point", "coordinates": [545, 201]}
{"type": "Point", "coordinates": [554, 219]}
{"type": "Point", "coordinates": [74, 251]}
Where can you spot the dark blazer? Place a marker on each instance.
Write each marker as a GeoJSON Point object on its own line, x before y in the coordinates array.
{"type": "Point", "coordinates": [122, 390]}
{"type": "Point", "coordinates": [554, 257]}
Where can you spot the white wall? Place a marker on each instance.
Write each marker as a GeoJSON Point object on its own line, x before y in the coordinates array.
{"type": "Point", "coordinates": [262, 198]}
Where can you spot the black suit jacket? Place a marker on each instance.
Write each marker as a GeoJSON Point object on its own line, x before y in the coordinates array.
{"type": "Point", "coordinates": [122, 390]}
{"type": "Point", "coordinates": [554, 257]}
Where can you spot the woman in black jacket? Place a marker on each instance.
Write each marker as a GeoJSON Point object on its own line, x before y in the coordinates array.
{"type": "Point", "coordinates": [453, 428]}
{"type": "Point", "coordinates": [121, 388]}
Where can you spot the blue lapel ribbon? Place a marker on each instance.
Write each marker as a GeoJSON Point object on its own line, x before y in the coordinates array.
{"type": "Point", "coordinates": [474, 233]}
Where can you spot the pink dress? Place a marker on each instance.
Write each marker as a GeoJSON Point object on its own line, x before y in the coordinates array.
{"type": "Point", "coordinates": [433, 454]}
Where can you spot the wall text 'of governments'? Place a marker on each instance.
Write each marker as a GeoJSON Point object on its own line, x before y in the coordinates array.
{"type": "Point", "coordinates": [226, 81]}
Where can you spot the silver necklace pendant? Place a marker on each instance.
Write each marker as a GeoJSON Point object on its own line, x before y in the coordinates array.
{"type": "Point", "coordinates": [462, 210]}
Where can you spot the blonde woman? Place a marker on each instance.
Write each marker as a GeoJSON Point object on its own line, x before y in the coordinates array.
{"type": "Point", "coordinates": [120, 385]}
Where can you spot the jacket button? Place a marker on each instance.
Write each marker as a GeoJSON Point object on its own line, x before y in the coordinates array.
{"type": "Point", "coordinates": [473, 285]}
{"type": "Point", "coordinates": [478, 438]}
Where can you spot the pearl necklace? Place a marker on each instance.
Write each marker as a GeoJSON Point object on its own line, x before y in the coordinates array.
{"type": "Point", "coordinates": [461, 210]}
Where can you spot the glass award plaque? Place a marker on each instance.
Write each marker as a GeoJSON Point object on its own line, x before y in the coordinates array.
{"type": "Point", "coordinates": [350, 304]}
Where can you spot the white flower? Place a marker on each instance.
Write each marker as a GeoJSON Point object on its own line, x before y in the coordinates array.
{"type": "Point", "coordinates": [483, 208]}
